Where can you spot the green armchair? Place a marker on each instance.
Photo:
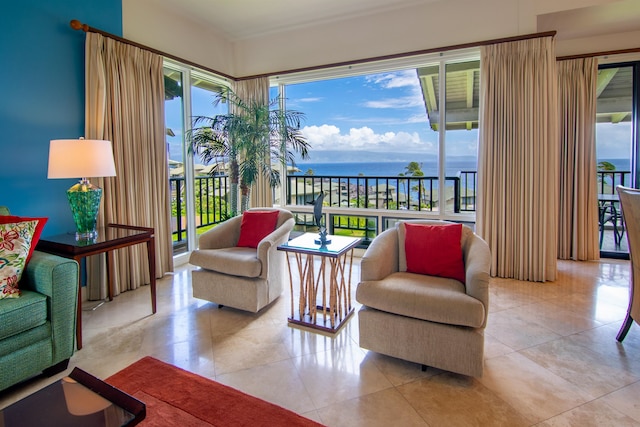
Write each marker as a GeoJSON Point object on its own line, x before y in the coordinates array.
{"type": "Point", "coordinates": [38, 329]}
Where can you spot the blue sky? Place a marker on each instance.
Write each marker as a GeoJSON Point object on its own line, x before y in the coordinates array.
{"type": "Point", "coordinates": [375, 118]}
{"type": "Point", "coordinates": [382, 115]}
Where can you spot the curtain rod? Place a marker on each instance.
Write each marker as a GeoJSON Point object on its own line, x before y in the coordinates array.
{"type": "Point", "coordinates": [407, 54]}
{"type": "Point", "coordinates": [604, 53]}
{"type": "Point", "coordinates": [77, 25]}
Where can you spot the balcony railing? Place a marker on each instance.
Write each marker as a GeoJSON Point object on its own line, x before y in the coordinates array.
{"type": "Point", "coordinates": [609, 180]}
{"type": "Point", "coordinates": [385, 192]}
{"type": "Point", "coordinates": [347, 197]}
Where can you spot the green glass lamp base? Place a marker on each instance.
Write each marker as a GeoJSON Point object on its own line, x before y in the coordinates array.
{"type": "Point", "coordinates": [84, 199]}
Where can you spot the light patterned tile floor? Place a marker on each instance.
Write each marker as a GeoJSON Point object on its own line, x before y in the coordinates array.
{"type": "Point", "coordinates": [551, 356]}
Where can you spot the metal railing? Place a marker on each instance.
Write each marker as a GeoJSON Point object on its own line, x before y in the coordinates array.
{"type": "Point", "coordinates": [211, 204]}
{"type": "Point", "coordinates": [419, 193]}
{"type": "Point", "coordinates": [387, 197]}
{"type": "Point", "coordinates": [609, 180]}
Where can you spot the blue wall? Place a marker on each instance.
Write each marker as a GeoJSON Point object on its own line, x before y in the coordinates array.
{"type": "Point", "coordinates": [42, 98]}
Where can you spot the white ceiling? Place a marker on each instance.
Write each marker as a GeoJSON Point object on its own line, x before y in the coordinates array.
{"type": "Point", "coordinates": [243, 19]}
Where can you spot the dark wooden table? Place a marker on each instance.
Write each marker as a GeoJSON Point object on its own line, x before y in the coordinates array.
{"type": "Point", "coordinates": [77, 400]}
{"type": "Point", "coordinates": [110, 238]}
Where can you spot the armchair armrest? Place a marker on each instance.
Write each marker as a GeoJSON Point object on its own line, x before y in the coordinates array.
{"type": "Point", "coordinates": [477, 260]}
{"type": "Point", "coordinates": [381, 257]}
{"type": "Point", "coordinates": [271, 242]}
{"type": "Point", "coordinates": [223, 235]}
{"type": "Point", "coordinates": [57, 278]}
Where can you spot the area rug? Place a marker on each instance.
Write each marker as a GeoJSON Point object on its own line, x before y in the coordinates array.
{"type": "Point", "coordinates": [175, 397]}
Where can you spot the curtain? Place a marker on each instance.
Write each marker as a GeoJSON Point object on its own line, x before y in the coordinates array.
{"type": "Point", "coordinates": [257, 89]}
{"type": "Point", "coordinates": [578, 206]}
{"type": "Point", "coordinates": [518, 158]}
{"type": "Point", "coordinates": [125, 104]}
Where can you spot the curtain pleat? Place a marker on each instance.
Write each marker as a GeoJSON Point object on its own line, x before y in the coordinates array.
{"type": "Point", "coordinates": [518, 158]}
{"type": "Point", "coordinates": [125, 104]}
{"type": "Point", "coordinates": [257, 89]}
{"type": "Point", "coordinates": [578, 207]}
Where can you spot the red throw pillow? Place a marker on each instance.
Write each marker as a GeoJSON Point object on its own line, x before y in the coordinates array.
{"type": "Point", "coordinates": [434, 250]}
{"type": "Point", "coordinates": [256, 225]}
{"type": "Point", "coordinates": [8, 219]}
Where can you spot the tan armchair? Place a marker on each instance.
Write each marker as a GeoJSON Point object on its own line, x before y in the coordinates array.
{"type": "Point", "coordinates": [239, 277]}
{"type": "Point", "coordinates": [433, 321]}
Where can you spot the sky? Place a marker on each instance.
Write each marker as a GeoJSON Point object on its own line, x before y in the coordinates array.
{"type": "Point", "coordinates": [375, 117]}
{"type": "Point", "coordinates": [378, 117]}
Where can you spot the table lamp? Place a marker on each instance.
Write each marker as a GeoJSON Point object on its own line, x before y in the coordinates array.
{"type": "Point", "coordinates": [82, 158]}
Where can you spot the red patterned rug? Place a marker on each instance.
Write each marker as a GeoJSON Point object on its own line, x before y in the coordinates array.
{"type": "Point", "coordinates": [175, 397]}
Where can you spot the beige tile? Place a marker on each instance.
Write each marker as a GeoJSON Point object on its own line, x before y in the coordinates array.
{"type": "Point", "coordinates": [384, 408]}
{"type": "Point", "coordinates": [337, 375]}
{"type": "Point", "coordinates": [626, 400]}
{"type": "Point", "coordinates": [550, 349]}
{"type": "Point", "coordinates": [515, 331]}
{"type": "Point", "coordinates": [592, 414]}
{"type": "Point", "coordinates": [399, 371]}
{"type": "Point", "coordinates": [535, 392]}
{"type": "Point", "coordinates": [593, 372]}
{"type": "Point", "coordinates": [454, 400]}
{"type": "Point", "coordinates": [277, 383]}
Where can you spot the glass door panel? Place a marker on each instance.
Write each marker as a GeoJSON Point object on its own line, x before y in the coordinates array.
{"type": "Point", "coordinates": [614, 142]}
{"type": "Point", "coordinates": [174, 137]}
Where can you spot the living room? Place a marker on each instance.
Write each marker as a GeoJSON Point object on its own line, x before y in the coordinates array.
{"type": "Point", "coordinates": [45, 100]}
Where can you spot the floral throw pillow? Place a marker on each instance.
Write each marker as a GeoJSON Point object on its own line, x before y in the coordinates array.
{"type": "Point", "coordinates": [15, 242]}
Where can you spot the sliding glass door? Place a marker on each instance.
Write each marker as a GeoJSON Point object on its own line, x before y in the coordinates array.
{"type": "Point", "coordinates": [198, 191]}
{"type": "Point", "coordinates": [616, 149]}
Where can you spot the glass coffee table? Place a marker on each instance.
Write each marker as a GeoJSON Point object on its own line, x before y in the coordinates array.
{"type": "Point", "coordinates": [77, 400]}
{"type": "Point", "coordinates": [316, 309]}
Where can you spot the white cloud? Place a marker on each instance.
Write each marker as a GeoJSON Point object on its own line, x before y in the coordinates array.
{"type": "Point", "coordinates": [401, 79]}
{"type": "Point", "coordinates": [303, 100]}
{"type": "Point", "coordinates": [396, 79]}
{"type": "Point", "coordinates": [329, 137]}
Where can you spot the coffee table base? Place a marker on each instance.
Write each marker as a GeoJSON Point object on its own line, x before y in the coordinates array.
{"type": "Point", "coordinates": [321, 323]}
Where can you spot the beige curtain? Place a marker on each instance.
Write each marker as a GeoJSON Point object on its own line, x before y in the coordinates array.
{"type": "Point", "coordinates": [125, 104]}
{"type": "Point", "coordinates": [258, 89]}
{"type": "Point", "coordinates": [518, 158]}
{"type": "Point", "coordinates": [578, 206]}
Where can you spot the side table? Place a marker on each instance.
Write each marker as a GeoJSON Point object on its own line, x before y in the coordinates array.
{"type": "Point", "coordinates": [330, 315]}
{"type": "Point", "coordinates": [110, 238]}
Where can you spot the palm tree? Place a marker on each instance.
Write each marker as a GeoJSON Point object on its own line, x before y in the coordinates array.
{"type": "Point", "coordinates": [414, 169]}
{"type": "Point", "coordinates": [606, 167]}
{"type": "Point", "coordinates": [252, 137]}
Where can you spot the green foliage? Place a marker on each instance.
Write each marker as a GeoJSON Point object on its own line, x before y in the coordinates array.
{"type": "Point", "coordinates": [252, 136]}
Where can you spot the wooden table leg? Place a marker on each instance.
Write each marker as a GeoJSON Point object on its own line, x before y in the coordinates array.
{"type": "Point", "coordinates": [109, 264]}
{"type": "Point", "coordinates": [151, 254]}
{"type": "Point", "coordinates": [79, 313]}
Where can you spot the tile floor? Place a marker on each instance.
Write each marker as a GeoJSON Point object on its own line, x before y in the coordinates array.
{"type": "Point", "coordinates": [551, 356]}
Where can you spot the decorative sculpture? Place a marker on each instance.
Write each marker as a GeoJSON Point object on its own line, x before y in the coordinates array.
{"type": "Point", "coordinates": [317, 213]}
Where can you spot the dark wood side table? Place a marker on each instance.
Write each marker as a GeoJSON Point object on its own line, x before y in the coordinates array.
{"type": "Point", "coordinates": [77, 400]}
{"type": "Point", "coordinates": [110, 238]}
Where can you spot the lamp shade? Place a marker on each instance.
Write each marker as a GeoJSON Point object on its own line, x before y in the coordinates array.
{"type": "Point", "coordinates": [80, 158]}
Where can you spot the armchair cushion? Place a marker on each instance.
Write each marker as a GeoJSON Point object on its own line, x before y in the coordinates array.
{"type": "Point", "coordinates": [434, 250]}
{"type": "Point", "coordinates": [431, 298]}
{"type": "Point", "coordinates": [235, 261]}
{"type": "Point", "coordinates": [255, 226]}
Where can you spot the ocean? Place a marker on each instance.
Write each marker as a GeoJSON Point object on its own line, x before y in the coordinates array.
{"type": "Point", "coordinates": [429, 168]}
{"type": "Point", "coordinates": [379, 168]}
